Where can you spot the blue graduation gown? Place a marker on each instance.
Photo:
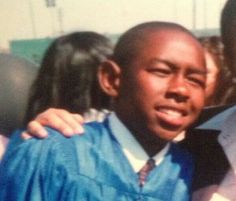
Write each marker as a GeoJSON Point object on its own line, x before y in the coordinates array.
{"type": "Point", "coordinates": [91, 167]}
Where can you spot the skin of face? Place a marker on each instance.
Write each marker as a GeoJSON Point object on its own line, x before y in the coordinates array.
{"type": "Point", "coordinates": [211, 77]}
{"type": "Point", "coordinates": [162, 91]}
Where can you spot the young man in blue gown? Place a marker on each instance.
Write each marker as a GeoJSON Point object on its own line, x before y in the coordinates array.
{"type": "Point", "coordinates": [157, 80]}
{"type": "Point", "coordinates": [211, 141]}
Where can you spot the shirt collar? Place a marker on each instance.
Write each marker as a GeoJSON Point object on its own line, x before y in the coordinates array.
{"type": "Point", "coordinates": [134, 152]}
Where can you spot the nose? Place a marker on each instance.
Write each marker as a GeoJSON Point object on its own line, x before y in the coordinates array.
{"type": "Point", "coordinates": [178, 89]}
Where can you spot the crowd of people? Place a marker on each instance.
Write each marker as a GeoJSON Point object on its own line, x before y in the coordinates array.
{"type": "Point", "coordinates": [148, 135]}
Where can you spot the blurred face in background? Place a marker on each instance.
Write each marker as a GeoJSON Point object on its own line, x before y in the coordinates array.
{"type": "Point", "coordinates": [211, 78]}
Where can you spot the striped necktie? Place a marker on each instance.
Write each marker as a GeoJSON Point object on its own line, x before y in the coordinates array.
{"type": "Point", "coordinates": [143, 173]}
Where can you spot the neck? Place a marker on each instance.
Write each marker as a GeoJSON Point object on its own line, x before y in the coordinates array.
{"type": "Point", "coordinates": [150, 142]}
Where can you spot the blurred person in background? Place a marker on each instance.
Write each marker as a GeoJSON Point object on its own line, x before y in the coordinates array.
{"type": "Point", "coordinates": [16, 77]}
{"type": "Point", "coordinates": [67, 77]}
{"type": "Point", "coordinates": [218, 84]}
{"type": "Point", "coordinates": [221, 173]}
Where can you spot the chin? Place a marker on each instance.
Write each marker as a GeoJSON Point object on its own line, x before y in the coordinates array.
{"type": "Point", "coordinates": [168, 135]}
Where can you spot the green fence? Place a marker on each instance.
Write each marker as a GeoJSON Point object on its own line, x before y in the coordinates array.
{"type": "Point", "coordinates": [34, 49]}
{"type": "Point", "coordinates": [31, 50]}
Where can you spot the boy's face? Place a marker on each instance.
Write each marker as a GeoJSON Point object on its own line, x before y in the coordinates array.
{"type": "Point", "coordinates": [162, 91]}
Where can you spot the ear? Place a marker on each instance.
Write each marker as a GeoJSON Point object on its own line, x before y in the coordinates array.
{"type": "Point", "coordinates": [109, 77]}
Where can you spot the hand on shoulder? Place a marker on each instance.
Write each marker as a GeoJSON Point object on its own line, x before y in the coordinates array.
{"type": "Point", "coordinates": [65, 122]}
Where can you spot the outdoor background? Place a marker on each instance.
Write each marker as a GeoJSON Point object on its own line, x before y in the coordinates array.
{"type": "Point", "coordinates": [28, 26]}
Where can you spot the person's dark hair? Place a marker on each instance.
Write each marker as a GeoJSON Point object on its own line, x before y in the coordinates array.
{"type": "Point", "coordinates": [228, 30]}
{"type": "Point", "coordinates": [130, 42]}
{"type": "Point", "coordinates": [67, 76]}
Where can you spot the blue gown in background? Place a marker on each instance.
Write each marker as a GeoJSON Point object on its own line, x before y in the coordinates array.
{"type": "Point", "coordinates": [90, 167]}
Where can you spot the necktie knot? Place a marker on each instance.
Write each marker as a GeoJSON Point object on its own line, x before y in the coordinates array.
{"type": "Point", "coordinates": [143, 173]}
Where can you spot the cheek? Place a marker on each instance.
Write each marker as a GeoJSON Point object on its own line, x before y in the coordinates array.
{"type": "Point", "coordinates": [198, 99]}
{"type": "Point", "coordinates": [151, 85]}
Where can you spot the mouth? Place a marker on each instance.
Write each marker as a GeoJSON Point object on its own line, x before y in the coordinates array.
{"type": "Point", "coordinates": [172, 116]}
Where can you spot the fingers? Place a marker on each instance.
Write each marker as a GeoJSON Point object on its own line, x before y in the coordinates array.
{"type": "Point", "coordinates": [65, 122]}
{"type": "Point", "coordinates": [68, 123]}
{"type": "Point", "coordinates": [25, 135]}
{"type": "Point", "coordinates": [34, 129]}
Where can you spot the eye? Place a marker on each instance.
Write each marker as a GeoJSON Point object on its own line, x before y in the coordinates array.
{"type": "Point", "coordinates": [161, 71]}
{"type": "Point", "coordinates": [197, 80]}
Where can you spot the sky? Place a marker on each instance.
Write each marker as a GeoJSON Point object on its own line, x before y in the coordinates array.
{"type": "Point", "coordinates": [28, 19]}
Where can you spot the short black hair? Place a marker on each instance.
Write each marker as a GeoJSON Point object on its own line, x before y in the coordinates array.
{"type": "Point", "coordinates": [129, 43]}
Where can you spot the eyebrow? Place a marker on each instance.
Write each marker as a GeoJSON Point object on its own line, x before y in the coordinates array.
{"type": "Point", "coordinates": [197, 70]}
